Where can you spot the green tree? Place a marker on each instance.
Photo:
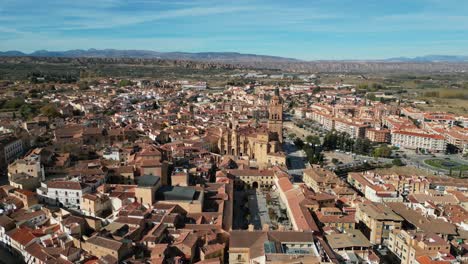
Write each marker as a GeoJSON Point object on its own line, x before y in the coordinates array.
{"type": "Point", "coordinates": [310, 139]}
{"type": "Point", "coordinates": [397, 162]}
{"type": "Point", "coordinates": [362, 146]}
{"type": "Point", "coordinates": [299, 143]}
{"type": "Point", "coordinates": [14, 103]}
{"type": "Point", "coordinates": [371, 97]}
{"type": "Point", "coordinates": [125, 83]}
{"type": "Point", "coordinates": [26, 111]}
{"type": "Point", "coordinates": [330, 141]}
{"type": "Point", "coordinates": [382, 152]}
{"type": "Point", "coordinates": [50, 110]}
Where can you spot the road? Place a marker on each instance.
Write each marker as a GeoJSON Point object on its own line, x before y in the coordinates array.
{"type": "Point", "coordinates": [258, 209]}
{"type": "Point", "coordinates": [417, 160]}
{"type": "Point", "coordinates": [239, 220]}
{"type": "Point", "coordinates": [297, 160]}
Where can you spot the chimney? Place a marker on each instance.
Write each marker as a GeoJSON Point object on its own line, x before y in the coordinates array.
{"type": "Point", "coordinates": [250, 228]}
{"type": "Point", "coordinates": [266, 227]}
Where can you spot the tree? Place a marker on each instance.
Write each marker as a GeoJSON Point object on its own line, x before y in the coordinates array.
{"type": "Point", "coordinates": [330, 141]}
{"type": "Point", "coordinates": [50, 110]}
{"type": "Point", "coordinates": [363, 86]}
{"type": "Point", "coordinates": [397, 162]}
{"type": "Point", "coordinates": [299, 143]}
{"type": "Point", "coordinates": [14, 103]}
{"type": "Point", "coordinates": [371, 97]}
{"type": "Point", "coordinates": [26, 111]}
{"type": "Point", "coordinates": [382, 152]}
{"type": "Point", "coordinates": [314, 140]}
{"type": "Point", "coordinates": [292, 136]}
{"type": "Point", "coordinates": [125, 83]}
{"type": "Point", "coordinates": [362, 146]}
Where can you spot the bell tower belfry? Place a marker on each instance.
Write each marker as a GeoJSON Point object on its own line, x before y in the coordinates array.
{"type": "Point", "coordinates": [275, 117]}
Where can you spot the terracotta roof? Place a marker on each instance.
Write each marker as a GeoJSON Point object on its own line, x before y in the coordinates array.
{"type": "Point", "coordinates": [428, 224]}
{"type": "Point", "coordinates": [70, 185]}
{"type": "Point", "coordinates": [22, 235]}
{"type": "Point", "coordinates": [105, 242]}
{"type": "Point", "coordinates": [420, 134]}
{"type": "Point", "coordinates": [251, 172]}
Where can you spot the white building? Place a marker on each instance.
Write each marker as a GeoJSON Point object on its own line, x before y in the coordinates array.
{"type": "Point", "coordinates": [419, 140]}
{"type": "Point", "coordinates": [63, 193]}
{"type": "Point", "coordinates": [111, 154]}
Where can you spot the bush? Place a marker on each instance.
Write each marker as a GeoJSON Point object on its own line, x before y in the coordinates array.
{"type": "Point", "coordinates": [397, 162]}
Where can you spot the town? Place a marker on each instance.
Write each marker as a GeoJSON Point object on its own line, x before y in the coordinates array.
{"type": "Point", "coordinates": [117, 170]}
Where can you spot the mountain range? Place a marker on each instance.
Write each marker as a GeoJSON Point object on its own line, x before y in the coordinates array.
{"type": "Point", "coordinates": [228, 57]}
{"type": "Point", "coordinates": [233, 57]}
{"type": "Point", "coordinates": [431, 58]}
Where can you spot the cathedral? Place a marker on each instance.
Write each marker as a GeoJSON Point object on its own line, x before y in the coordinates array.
{"type": "Point", "coordinates": [260, 143]}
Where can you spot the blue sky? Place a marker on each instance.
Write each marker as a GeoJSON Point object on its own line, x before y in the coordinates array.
{"type": "Point", "coordinates": [308, 29]}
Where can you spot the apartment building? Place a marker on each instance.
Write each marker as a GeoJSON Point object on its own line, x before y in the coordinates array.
{"type": "Point", "coordinates": [320, 180]}
{"type": "Point", "coordinates": [326, 120]}
{"type": "Point", "coordinates": [412, 112]}
{"type": "Point", "coordinates": [408, 245]}
{"type": "Point", "coordinates": [378, 135]}
{"type": "Point", "coordinates": [376, 221]}
{"type": "Point", "coordinates": [418, 140]}
{"type": "Point", "coordinates": [333, 217]}
{"type": "Point", "coordinates": [350, 127]}
{"type": "Point", "coordinates": [457, 137]}
{"type": "Point", "coordinates": [374, 187]}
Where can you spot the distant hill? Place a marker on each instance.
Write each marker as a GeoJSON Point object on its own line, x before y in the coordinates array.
{"type": "Point", "coordinates": [231, 60]}
{"type": "Point", "coordinates": [228, 57]}
{"type": "Point", "coordinates": [224, 57]}
{"type": "Point", "coordinates": [431, 58]}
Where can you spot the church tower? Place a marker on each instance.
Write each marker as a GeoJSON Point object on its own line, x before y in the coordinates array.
{"type": "Point", "coordinates": [275, 119]}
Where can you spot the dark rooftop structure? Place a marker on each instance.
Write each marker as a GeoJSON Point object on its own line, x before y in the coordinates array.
{"type": "Point", "coordinates": [148, 180]}
{"type": "Point", "coordinates": [169, 193]}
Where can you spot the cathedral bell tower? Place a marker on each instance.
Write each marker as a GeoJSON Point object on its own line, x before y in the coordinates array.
{"type": "Point", "coordinates": [275, 118]}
